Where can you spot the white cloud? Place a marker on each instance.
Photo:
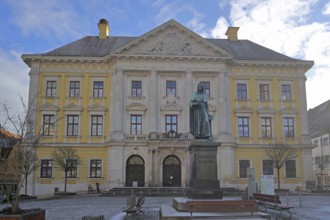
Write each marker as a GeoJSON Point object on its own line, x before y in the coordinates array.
{"type": "Point", "coordinates": [277, 25]}
{"type": "Point", "coordinates": [326, 10]}
{"type": "Point", "coordinates": [15, 80]}
{"type": "Point", "coordinates": [220, 28]}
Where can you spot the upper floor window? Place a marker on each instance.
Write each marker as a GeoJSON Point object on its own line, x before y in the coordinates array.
{"type": "Point", "coordinates": [48, 125]}
{"type": "Point", "coordinates": [171, 123]}
{"type": "Point", "coordinates": [267, 167]}
{"type": "Point", "coordinates": [136, 88]}
{"type": "Point", "coordinates": [288, 127]}
{"type": "Point", "coordinates": [170, 88]}
{"type": "Point", "coordinates": [51, 87]}
{"type": "Point", "coordinates": [95, 169]}
{"type": "Point", "coordinates": [46, 168]}
{"type": "Point", "coordinates": [316, 143]}
{"type": "Point", "coordinates": [243, 126]}
{"type": "Point", "coordinates": [72, 171]}
{"type": "Point", "coordinates": [290, 169]}
{"type": "Point", "coordinates": [264, 92]}
{"type": "Point", "coordinates": [206, 87]}
{"type": "Point", "coordinates": [136, 124]}
{"type": "Point", "coordinates": [74, 90]}
{"type": "Point", "coordinates": [324, 141]}
{"type": "Point", "coordinates": [98, 87]}
{"type": "Point", "coordinates": [97, 125]}
{"type": "Point", "coordinates": [243, 165]}
{"type": "Point", "coordinates": [72, 125]}
{"type": "Point", "coordinates": [286, 92]}
{"type": "Point", "coordinates": [241, 91]}
{"type": "Point", "coordinates": [266, 127]}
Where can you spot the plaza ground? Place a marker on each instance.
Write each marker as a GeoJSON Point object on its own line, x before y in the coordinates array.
{"type": "Point", "coordinates": [313, 206]}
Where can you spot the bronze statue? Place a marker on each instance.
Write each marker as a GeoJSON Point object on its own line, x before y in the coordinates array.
{"type": "Point", "coordinates": [200, 119]}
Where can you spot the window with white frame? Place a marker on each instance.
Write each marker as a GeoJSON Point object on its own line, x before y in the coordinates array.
{"type": "Point", "coordinates": [290, 169]}
{"type": "Point", "coordinates": [266, 127]}
{"type": "Point", "coordinates": [316, 142]}
{"type": "Point", "coordinates": [98, 87]}
{"type": "Point", "coordinates": [288, 126]}
{"type": "Point", "coordinates": [136, 88]}
{"type": "Point", "coordinates": [46, 168]}
{"type": "Point", "coordinates": [136, 124]}
{"type": "Point", "coordinates": [74, 89]}
{"type": "Point", "coordinates": [73, 167]}
{"type": "Point", "coordinates": [286, 92]}
{"type": "Point", "coordinates": [171, 123]}
{"type": "Point", "coordinates": [264, 92]}
{"type": "Point", "coordinates": [324, 141]}
{"type": "Point", "coordinates": [170, 88]}
{"type": "Point", "coordinates": [241, 91]}
{"type": "Point", "coordinates": [48, 125]}
{"type": "Point", "coordinates": [51, 87]}
{"type": "Point", "coordinates": [97, 125]}
{"type": "Point", "coordinates": [72, 127]}
{"type": "Point", "coordinates": [243, 126]}
{"type": "Point", "coordinates": [95, 168]}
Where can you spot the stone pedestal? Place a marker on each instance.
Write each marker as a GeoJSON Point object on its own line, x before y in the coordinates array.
{"type": "Point", "coordinates": [203, 179]}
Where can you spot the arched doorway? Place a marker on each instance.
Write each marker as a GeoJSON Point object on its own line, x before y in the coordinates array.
{"type": "Point", "coordinates": [135, 171]}
{"type": "Point", "coordinates": [172, 171]}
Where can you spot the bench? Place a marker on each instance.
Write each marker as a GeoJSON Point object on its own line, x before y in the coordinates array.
{"type": "Point", "coordinates": [224, 209]}
{"type": "Point", "coordinates": [266, 201]}
{"type": "Point", "coordinates": [135, 209]}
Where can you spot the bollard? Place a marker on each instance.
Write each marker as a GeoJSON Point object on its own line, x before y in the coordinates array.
{"type": "Point", "coordinates": [91, 217]}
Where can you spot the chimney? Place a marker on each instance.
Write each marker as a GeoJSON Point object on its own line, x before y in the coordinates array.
{"type": "Point", "coordinates": [232, 33]}
{"type": "Point", "coordinates": [103, 28]}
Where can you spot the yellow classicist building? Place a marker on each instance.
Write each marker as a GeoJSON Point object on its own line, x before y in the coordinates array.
{"type": "Point", "coordinates": [123, 104]}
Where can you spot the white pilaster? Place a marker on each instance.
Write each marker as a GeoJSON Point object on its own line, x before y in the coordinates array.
{"type": "Point", "coordinates": [189, 92]}
{"type": "Point", "coordinates": [303, 111]}
{"type": "Point", "coordinates": [154, 106]}
{"type": "Point", "coordinates": [117, 106]}
{"type": "Point", "coordinates": [224, 109]}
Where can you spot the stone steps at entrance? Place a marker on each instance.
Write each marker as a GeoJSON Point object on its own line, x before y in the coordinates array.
{"type": "Point", "coordinates": [161, 191]}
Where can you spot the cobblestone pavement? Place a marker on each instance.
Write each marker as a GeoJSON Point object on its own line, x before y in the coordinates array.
{"type": "Point", "coordinates": [313, 207]}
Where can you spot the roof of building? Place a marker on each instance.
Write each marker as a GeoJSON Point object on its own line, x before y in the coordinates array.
{"type": "Point", "coordinates": [319, 119]}
{"type": "Point", "coordinates": [8, 134]}
{"type": "Point", "coordinates": [93, 46]}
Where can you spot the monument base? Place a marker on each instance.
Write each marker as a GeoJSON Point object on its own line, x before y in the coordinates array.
{"type": "Point", "coordinates": [203, 180]}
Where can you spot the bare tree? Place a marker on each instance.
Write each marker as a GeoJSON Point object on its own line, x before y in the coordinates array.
{"type": "Point", "coordinates": [66, 159]}
{"type": "Point", "coordinates": [22, 159]}
{"type": "Point", "coordinates": [279, 153]}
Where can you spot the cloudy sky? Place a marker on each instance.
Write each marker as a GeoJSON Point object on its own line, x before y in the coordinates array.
{"type": "Point", "coordinates": [297, 28]}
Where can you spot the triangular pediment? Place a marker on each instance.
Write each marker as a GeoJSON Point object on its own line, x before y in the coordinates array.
{"type": "Point", "coordinates": [172, 39]}
{"type": "Point", "coordinates": [289, 110]}
{"type": "Point", "coordinates": [72, 107]}
{"type": "Point", "coordinates": [136, 107]}
{"type": "Point", "coordinates": [171, 107]}
{"type": "Point", "coordinates": [96, 107]}
{"type": "Point", "coordinates": [48, 107]}
{"type": "Point", "coordinates": [266, 110]}
{"type": "Point", "coordinates": [243, 109]}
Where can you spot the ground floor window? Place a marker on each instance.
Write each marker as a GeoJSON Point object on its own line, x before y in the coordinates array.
{"type": "Point", "coordinates": [95, 168]}
{"type": "Point", "coordinates": [46, 168]}
{"type": "Point", "coordinates": [267, 167]}
{"type": "Point", "coordinates": [243, 165]}
{"type": "Point", "coordinates": [290, 168]}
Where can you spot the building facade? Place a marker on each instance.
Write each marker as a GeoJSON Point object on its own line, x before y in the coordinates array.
{"type": "Point", "coordinates": [123, 103]}
{"type": "Point", "coordinates": [319, 128]}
